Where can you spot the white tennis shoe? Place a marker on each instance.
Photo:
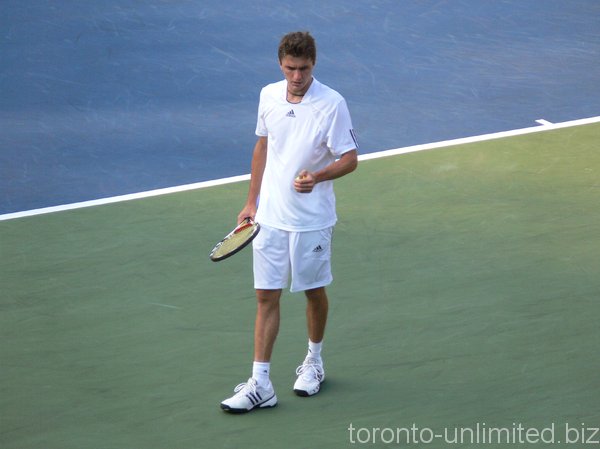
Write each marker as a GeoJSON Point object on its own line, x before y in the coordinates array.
{"type": "Point", "coordinates": [310, 377]}
{"type": "Point", "coordinates": [249, 395]}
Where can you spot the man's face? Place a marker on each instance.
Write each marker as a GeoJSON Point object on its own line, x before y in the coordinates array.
{"type": "Point", "coordinates": [298, 73]}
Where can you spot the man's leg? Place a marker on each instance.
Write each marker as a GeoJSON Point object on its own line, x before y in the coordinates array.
{"type": "Point", "coordinates": [258, 391]}
{"type": "Point", "coordinates": [317, 307]}
{"type": "Point", "coordinates": [311, 373]}
{"type": "Point", "coordinates": [266, 326]}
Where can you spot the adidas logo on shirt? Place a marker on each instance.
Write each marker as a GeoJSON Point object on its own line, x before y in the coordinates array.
{"type": "Point", "coordinates": [291, 114]}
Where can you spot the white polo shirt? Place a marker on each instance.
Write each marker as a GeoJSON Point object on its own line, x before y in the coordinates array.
{"type": "Point", "coordinates": [307, 135]}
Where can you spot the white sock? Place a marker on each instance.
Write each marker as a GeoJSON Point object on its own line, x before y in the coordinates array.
{"type": "Point", "coordinates": [260, 372]}
{"type": "Point", "coordinates": [314, 349]}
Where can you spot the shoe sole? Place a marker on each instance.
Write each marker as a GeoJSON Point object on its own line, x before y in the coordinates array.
{"type": "Point", "coordinates": [305, 394]}
{"type": "Point", "coordinates": [269, 403]}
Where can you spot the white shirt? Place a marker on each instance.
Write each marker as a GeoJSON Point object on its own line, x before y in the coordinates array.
{"type": "Point", "coordinates": [307, 135]}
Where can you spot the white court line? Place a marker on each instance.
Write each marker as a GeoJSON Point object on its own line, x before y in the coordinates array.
{"type": "Point", "coordinates": [544, 122]}
{"type": "Point", "coordinates": [121, 198]}
{"type": "Point", "coordinates": [545, 126]}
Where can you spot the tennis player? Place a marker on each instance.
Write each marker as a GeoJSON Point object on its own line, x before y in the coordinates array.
{"type": "Point", "coordinates": [305, 141]}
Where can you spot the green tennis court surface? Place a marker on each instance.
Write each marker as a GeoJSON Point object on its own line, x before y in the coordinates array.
{"type": "Point", "coordinates": [467, 293]}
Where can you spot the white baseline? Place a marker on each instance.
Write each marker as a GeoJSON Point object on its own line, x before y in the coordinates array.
{"type": "Point", "coordinates": [545, 126]}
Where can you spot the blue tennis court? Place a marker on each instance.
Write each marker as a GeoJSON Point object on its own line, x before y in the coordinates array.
{"type": "Point", "coordinates": [113, 97]}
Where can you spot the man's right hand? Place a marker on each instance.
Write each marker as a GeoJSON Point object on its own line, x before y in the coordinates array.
{"type": "Point", "coordinates": [248, 211]}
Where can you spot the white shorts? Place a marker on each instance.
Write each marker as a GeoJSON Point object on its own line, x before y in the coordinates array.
{"type": "Point", "coordinates": [306, 256]}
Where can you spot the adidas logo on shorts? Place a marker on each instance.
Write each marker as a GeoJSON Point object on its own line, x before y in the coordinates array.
{"type": "Point", "coordinates": [318, 249]}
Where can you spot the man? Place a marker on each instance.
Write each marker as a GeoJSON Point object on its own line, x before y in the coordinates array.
{"type": "Point", "coordinates": [305, 141]}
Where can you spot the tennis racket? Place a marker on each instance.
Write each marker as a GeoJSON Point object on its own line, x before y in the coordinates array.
{"type": "Point", "coordinates": [236, 240]}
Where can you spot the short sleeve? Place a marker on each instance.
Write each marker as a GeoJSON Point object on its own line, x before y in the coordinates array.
{"type": "Point", "coordinates": [341, 137]}
{"type": "Point", "coordinates": [261, 127]}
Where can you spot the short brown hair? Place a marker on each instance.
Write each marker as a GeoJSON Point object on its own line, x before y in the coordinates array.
{"type": "Point", "coordinates": [299, 44]}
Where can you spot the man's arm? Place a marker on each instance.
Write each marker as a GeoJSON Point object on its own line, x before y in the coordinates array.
{"type": "Point", "coordinates": [259, 160]}
{"type": "Point", "coordinates": [306, 181]}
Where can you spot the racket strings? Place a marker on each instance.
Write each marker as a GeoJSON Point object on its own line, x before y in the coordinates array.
{"type": "Point", "coordinates": [233, 241]}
